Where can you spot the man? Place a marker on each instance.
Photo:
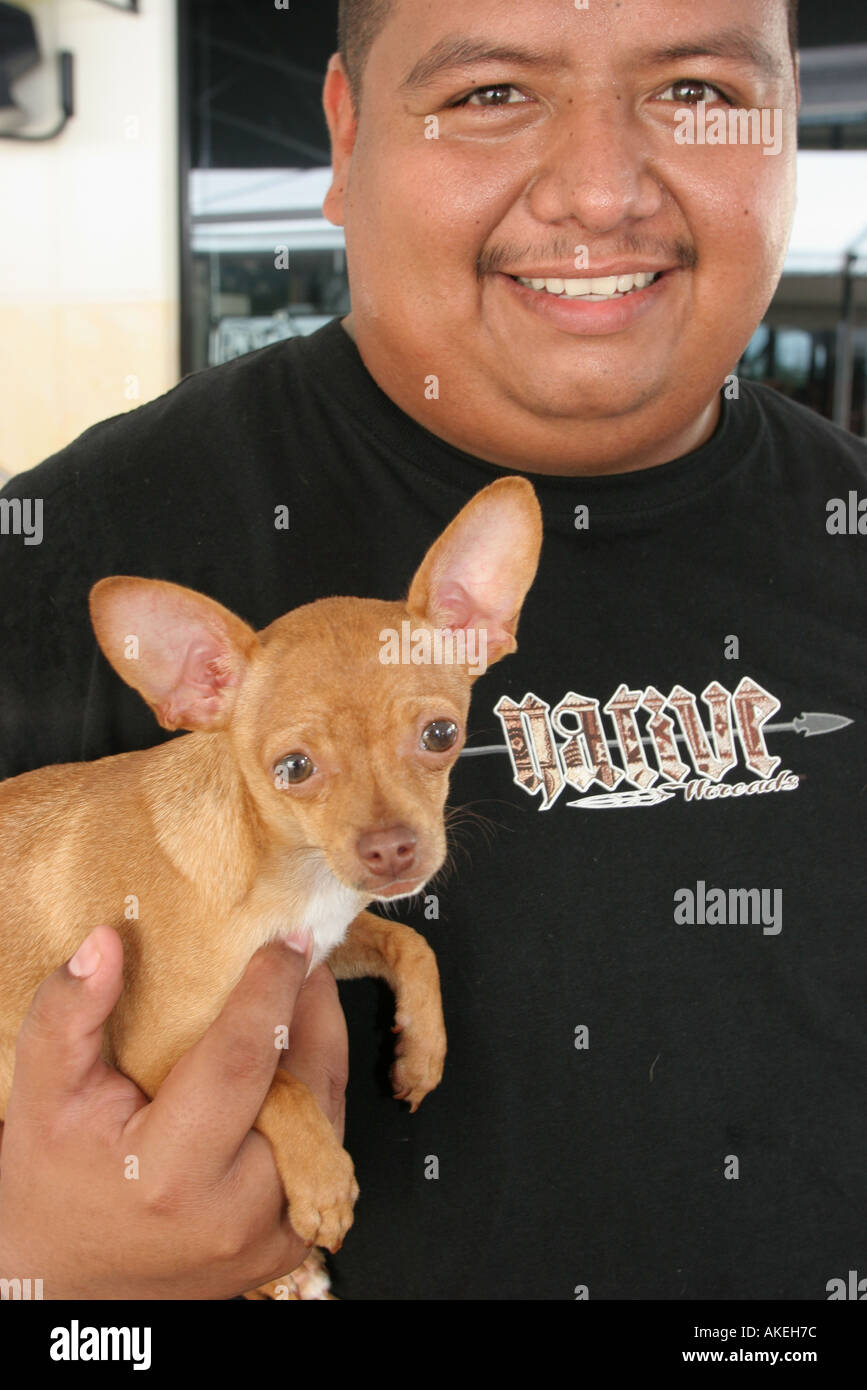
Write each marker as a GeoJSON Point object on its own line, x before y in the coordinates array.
{"type": "Point", "coordinates": [653, 969]}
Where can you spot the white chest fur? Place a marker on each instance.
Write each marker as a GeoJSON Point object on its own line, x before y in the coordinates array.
{"type": "Point", "coordinates": [329, 909]}
{"type": "Point", "coordinates": [305, 893]}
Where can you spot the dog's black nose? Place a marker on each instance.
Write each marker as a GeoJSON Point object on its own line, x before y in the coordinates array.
{"type": "Point", "coordinates": [388, 853]}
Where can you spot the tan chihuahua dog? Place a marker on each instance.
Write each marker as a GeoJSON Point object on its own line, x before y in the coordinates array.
{"type": "Point", "coordinates": [313, 783]}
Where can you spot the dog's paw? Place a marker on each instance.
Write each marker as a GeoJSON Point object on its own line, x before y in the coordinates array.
{"type": "Point", "coordinates": [321, 1201]}
{"type": "Point", "coordinates": [307, 1283]}
{"type": "Point", "coordinates": [419, 1057]}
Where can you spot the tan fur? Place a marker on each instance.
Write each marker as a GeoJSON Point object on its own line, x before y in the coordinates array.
{"type": "Point", "coordinates": [197, 859]}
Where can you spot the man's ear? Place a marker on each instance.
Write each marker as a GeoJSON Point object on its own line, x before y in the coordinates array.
{"type": "Point", "coordinates": [185, 654]}
{"type": "Point", "coordinates": [475, 577]}
{"type": "Point", "coordinates": [342, 120]}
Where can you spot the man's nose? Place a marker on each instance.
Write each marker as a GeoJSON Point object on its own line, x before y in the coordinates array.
{"type": "Point", "coordinates": [388, 853]}
{"type": "Point", "coordinates": [595, 167]}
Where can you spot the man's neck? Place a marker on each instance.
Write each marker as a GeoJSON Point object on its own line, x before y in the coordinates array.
{"type": "Point", "coordinates": [654, 447]}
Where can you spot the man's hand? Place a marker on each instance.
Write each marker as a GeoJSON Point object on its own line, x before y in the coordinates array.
{"type": "Point", "coordinates": [206, 1217]}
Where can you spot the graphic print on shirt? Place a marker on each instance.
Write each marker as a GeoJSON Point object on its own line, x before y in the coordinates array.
{"type": "Point", "coordinates": [572, 746]}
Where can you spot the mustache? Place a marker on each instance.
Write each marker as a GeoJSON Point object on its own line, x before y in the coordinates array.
{"type": "Point", "coordinates": [491, 260]}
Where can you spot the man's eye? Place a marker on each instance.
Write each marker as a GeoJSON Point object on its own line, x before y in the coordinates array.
{"type": "Point", "coordinates": [498, 88]}
{"type": "Point", "coordinates": [691, 90]}
{"type": "Point", "coordinates": [294, 768]}
{"type": "Point", "coordinates": [439, 736]}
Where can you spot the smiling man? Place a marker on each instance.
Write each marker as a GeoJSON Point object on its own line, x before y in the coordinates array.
{"type": "Point", "coordinates": [481, 149]}
{"type": "Point", "coordinates": [563, 225]}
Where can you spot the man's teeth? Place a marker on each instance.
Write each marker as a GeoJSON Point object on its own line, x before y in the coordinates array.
{"type": "Point", "coordinates": [608, 287]}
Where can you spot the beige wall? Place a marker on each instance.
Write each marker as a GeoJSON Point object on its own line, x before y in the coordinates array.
{"type": "Point", "coordinates": [88, 234]}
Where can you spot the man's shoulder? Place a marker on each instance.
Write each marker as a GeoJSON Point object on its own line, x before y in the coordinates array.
{"type": "Point", "coordinates": [807, 436]}
{"type": "Point", "coordinates": [201, 412]}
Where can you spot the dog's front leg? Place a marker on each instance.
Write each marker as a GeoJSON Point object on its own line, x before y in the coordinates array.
{"type": "Point", "coordinates": [317, 1173]}
{"type": "Point", "coordinates": [318, 1178]}
{"type": "Point", "coordinates": [397, 954]}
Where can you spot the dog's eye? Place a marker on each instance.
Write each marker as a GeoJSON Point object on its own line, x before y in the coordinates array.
{"type": "Point", "coordinates": [295, 767]}
{"type": "Point", "coordinates": [439, 736]}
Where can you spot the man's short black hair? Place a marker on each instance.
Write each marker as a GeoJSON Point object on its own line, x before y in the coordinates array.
{"type": "Point", "coordinates": [358, 24]}
{"type": "Point", "coordinates": [360, 21]}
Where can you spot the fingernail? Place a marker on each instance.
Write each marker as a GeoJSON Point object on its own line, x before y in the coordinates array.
{"type": "Point", "coordinates": [299, 940]}
{"type": "Point", "coordinates": [85, 960]}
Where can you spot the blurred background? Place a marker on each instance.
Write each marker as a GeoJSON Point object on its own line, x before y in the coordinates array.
{"type": "Point", "coordinates": [162, 171]}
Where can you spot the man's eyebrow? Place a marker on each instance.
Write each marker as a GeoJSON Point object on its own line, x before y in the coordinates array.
{"type": "Point", "coordinates": [735, 44]}
{"type": "Point", "coordinates": [460, 52]}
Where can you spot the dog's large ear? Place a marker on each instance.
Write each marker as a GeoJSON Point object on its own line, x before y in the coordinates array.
{"type": "Point", "coordinates": [475, 577]}
{"type": "Point", "coordinates": [185, 654]}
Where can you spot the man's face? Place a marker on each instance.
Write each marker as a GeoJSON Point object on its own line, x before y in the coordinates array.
{"type": "Point", "coordinates": [561, 161]}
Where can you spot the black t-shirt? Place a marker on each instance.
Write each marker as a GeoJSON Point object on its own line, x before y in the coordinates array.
{"type": "Point", "coordinates": [655, 1085]}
